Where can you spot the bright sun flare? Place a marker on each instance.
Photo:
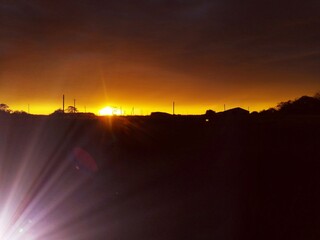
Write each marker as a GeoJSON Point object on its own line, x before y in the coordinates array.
{"type": "Point", "coordinates": [109, 111]}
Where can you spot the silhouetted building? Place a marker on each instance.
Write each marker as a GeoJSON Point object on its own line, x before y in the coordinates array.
{"type": "Point", "coordinates": [235, 112]}
{"type": "Point", "coordinates": [160, 115]}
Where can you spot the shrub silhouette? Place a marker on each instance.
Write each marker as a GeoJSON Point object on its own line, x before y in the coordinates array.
{"type": "Point", "coordinates": [71, 109]}
{"type": "Point", "coordinates": [20, 113]}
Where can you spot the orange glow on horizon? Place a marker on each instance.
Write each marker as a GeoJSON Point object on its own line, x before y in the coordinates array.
{"type": "Point", "coordinates": [142, 88]}
{"type": "Point", "coordinates": [47, 109]}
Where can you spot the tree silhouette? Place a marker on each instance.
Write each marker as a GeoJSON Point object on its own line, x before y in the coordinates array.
{"type": "Point", "coordinates": [269, 111]}
{"type": "Point", "coordinates": [4, 108]}
{"type": "Point", "coordinates": [302, 105]}
{"type": "Point", "coordinates": [71, 109]}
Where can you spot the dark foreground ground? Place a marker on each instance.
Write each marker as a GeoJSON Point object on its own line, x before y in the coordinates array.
{"type": "Point", "coordinates": [177, 178]}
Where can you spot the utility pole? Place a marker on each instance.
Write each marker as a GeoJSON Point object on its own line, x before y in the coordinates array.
{"type": "Point", "coordinates": [63, 103]}
{"type": "Point", "coordinates": [74, 105]}
{"type": "Point", "coordinates": [172, 108]}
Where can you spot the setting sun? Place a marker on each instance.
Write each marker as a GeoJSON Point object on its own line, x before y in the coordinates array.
{"type": "Point", "coordinates": [110, 111]}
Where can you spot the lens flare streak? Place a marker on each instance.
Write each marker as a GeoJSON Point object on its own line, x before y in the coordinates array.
{"type": "Point", "coordinates": [40, 187]}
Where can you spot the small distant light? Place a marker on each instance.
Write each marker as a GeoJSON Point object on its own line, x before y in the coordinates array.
{"type": "Point", "coordinates": [207, 120]}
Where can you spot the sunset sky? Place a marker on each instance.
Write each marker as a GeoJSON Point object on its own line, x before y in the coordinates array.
{"type": "Point", "coordinates": [148, 53]}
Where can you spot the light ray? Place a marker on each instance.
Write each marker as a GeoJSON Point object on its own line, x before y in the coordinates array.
{"type": "Point", "coordinates": [38, 181]}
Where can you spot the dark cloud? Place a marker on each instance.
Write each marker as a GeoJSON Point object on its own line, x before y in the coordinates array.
{"type": "Point", "coordinates": [237, 26]}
